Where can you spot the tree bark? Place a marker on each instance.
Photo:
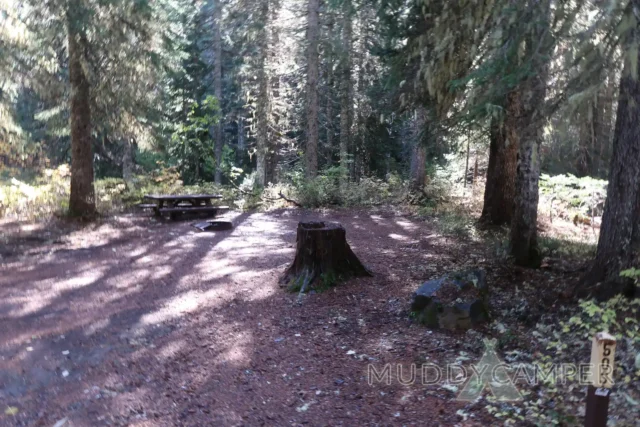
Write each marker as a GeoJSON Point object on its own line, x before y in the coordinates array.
{"type": "Point", "coordinates": [82, 197]}
{"type": "Point", "coordinates": [128, 162]}
{"type": "Point", "coordinates": [330, 149]}
{"type": "Point", "coordinates": [274, 114]}
{"type": "Point", "coordinates": [217, 83]}
{"type": "Point", "coordinates": [262, 137]}
{"type": "Point", "coordinates": [524, 227]}
{"type": "Point", "coordinates": [418, 171]}
{"type": "Point", "coordinates": [359, 145]}
{"type": "Point", "coordinates": [313, 29]}
{"type": "Point", "coordinates": [499, 189]}
{"type": "Point", "coordinates": [608, 103]}
{"type": "Point", "coordinates": [586, 154]}
{"type": "Point", "coordinates": [346, 90]}
{"type": "Point", "coordinates": [619, 243]}
{"type": "Point", "coordinates": [323, 256]}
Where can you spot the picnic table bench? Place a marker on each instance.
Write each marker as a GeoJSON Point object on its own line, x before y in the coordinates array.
{"type": "Point", "coordinates": [178, 204]}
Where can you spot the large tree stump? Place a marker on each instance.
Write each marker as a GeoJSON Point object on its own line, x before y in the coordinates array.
{"type": "Point", "coordinates": [323, 257]}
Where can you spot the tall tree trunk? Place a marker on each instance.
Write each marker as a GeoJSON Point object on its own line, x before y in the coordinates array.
{"type": "Point", "coordinates": [607, 102]}
{"type": "Point", "coordinates": [274, 114]}
{"type": "Point", "coordinates": [499, 189]}
{"type": "Point", "coordinates": [330, 128]}
{"type": "Point", "coordinates": [359, 149]}
{"type": "Point", "coordinates": [346, 90]}
{"type": "Point", "coordinates": [596, 135]}
{"type": "Point", "coordinates": [82, 197]}
{"type": "Point", "coordinates": [313, 30]}
{"type": "Point", "coordinates": [217, 82]}
{"type": "Point", "coordinates": [128, 162]}
{"type": "Point", "coordinates": [262, 137]}
{"type": "Point", "coordinates": [419, 154]}
{"type": "Point", "coordinates": [524, 228]}
{"type": "Point", "coordinates": [330, 149]}
{"type": "Point", "coordinates": [619, 243]}
{"type": "Point", "coordinates": [586, 155]}
{"type": "Point", "coordinates": [241, 141]}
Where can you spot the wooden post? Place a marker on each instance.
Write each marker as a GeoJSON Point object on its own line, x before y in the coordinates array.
{"type": "Point", "coordinates": [603, 352]}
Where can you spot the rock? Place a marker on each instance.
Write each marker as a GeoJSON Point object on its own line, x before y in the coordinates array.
{"type": "Point", "coordinates": [455, 301]}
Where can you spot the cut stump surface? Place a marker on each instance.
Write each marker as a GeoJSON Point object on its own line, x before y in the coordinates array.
{"type": "Point", "coordinates": [323, 257]}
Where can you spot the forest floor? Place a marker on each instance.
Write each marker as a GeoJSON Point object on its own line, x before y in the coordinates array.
{"type": "Point", "coordinates": [135, 321]}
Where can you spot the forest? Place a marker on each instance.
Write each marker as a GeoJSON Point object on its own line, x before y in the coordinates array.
{"type": "Point", "coordinates": [384, 183]}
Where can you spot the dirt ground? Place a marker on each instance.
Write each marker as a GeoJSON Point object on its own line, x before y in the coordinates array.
{"type": "Point", "coordinates": [134, 321]}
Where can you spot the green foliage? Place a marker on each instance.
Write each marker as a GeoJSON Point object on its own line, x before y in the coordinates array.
{"type": "Point", "coordinates": [632, 273]}
{"type": "Point", "coordinates": [325, 190]}
{"type": "Point", "coordinates": [568, 340]}
{"type": "Point", "coordinates": [328, 280]}
{"type": "Point", "coordinates": [557, 246]}
{"type": "Point", "coordinates": [48, 194]}
{"type": "Point", "coordinates": [149, 160]}
{"type": "Point", "coordinates": [191, 146]}
{"type": "Point", "coordinates": [581, 195]}
{"type": "Point", "coordinates": [455, 224]}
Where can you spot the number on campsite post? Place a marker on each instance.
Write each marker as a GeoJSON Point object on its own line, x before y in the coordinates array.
{"type": "Point", "coordinates": [603, 350]}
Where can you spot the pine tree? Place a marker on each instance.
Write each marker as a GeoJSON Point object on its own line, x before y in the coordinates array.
{"type": "Point", "coordinates": [619, 242]}
{"type": "Point", "coordinates": [82, 196]}
{"type": "Point", "coordinates": [346, 88]}
{"type": "Point", "coordinates": [262, 98]}
{"type": "Point", "coordinates": [313, 29]}
{"type": "Point", "coordinates": [419, 153]}
{"type": "Point", "coordinates": [532, 92]}
{"type": "Point", "coordinates": [217, 81]}
{"type": "Point", "coordinates": [499, 191]}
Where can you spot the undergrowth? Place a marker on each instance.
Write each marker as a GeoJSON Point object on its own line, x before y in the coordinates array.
{"type": "Point", "coordinates": [48, 194]}
{"type": "Point", "coordinates": [568, 340]}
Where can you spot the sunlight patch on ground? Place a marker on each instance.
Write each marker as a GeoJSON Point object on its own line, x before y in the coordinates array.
{"type": "Point", "coordinates": [161, 271]}
{"type": "Point", "coordinates": [139, 251]}
{"type": "Point", "coordinates": [237, 354]}
{"type": "Point", "coordinates": [97, 326]}
{"type": "Point", "coordinates": [111, 297]}
{"type": "Point", "coordinates": [214, 271]}
{"type": "Point", "coordinates": [79, 281]}
{"type": "Point", "coordinates": [398, 237]}
{"type": "Point", "coordinates": [129, 279]}
{"type": "Point", "coordinates": [41, 295]}
{"type": "Point", "coordinates": [185, 303]}
{"type": "Point", "coordinates": [260, 293]}
{"type": "Point", "coordinates": [171, 349]}
{"type": "Point", "coordinates": [409, 226]}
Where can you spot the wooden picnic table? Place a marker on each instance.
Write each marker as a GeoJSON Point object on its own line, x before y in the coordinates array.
{"type": "Point", "coordinates": [176, 204]}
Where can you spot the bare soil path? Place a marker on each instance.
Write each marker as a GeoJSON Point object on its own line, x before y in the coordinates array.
{"type": "Point", "coordinates": [146, 323]}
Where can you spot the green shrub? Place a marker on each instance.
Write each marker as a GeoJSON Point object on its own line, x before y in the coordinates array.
{"type": "Point", "coordinates": [326, 190]}
{"type": "Point", "coordinates": [47, 195]}
{"type": "Point", "coordinates": [150, 160]}
{"type": "Point", "coordinates": [569, 341]}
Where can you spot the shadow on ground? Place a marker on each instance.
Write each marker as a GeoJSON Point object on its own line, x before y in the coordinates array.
{"type": "Point", "coordinates": [140, 322]}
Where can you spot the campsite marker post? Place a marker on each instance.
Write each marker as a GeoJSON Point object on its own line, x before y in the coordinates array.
{"type": "Point", "coordinates": [603, 351]}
